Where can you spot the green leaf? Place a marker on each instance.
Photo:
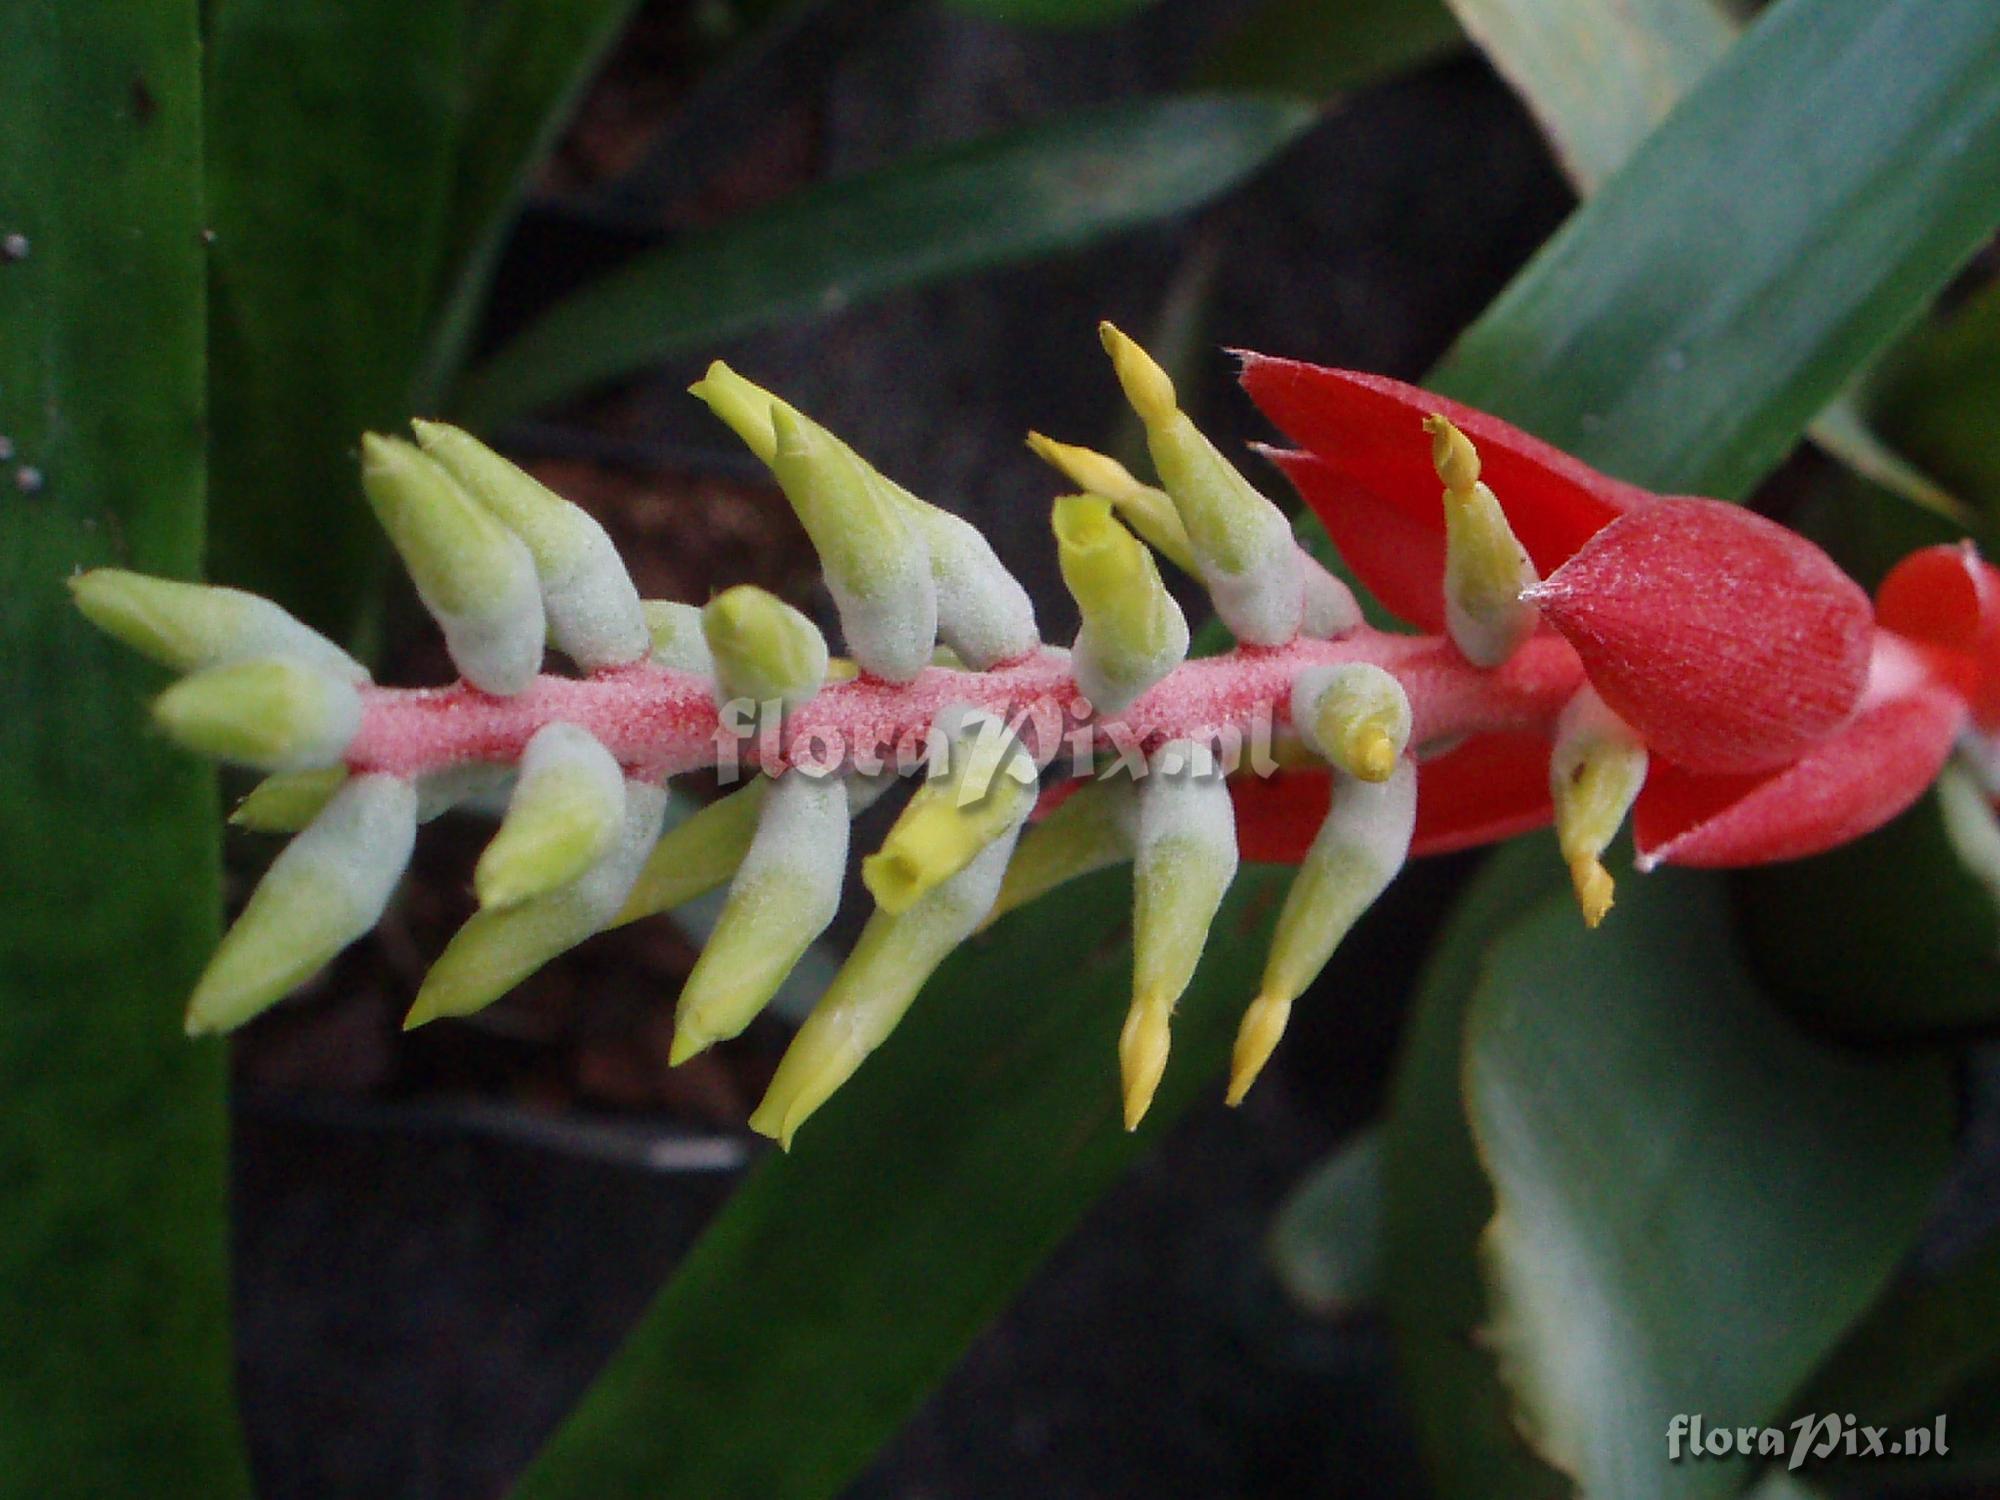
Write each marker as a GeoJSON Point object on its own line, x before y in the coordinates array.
{"type": "Point", "coordinates": [1896, 934]}
{"type": "Point", "coordinates": [1598, 77]}
{"type": "Point", "coordinates": [1938, 395]}
{"type": "Point", "coordinates": [936, 214]}
{"type": "Point", "coordinates": [115, 1362]}
{"type": "Point", "coordinates": [1326, 1243]}
{"type": "Point", "coordinates": [831, 1294]}
{"type": "Point", "coordinates": [1319, 51]}
{"type": "Point", "coordinates": [333, 130]}
{"type": "Point", "coordinates": [1800, 208]}
{"type": "Point", "coordinates": [533, 61]}
{"type": "Point", "coordinates": [1059, 13]}
{"type": "Point", "coordinates": [1436, 1201]}
{"type": "Point", "coordinates": [1665, 1153]}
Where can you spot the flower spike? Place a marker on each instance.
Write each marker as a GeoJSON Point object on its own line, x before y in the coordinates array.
{"type": "Point", "coordinates": [280, 714]}
{"type": "Point", "coordinates": [565, 813]}
{"type": "Point", "coordinates": [327, 887]}
{"type": "Point", "coordinates": [1357, 852]}
{"type": "Point", "coordinates": [593, 607]}
{"type": "Point", "coordinates": [1242, 542]}
{"type": "Point", "coordinates": [983, 792]}
{"type": "Point", "coordinates": [1186, 859]}
{"type": "Point", "coordinates": [784, 895]}
{"type": "Point", "coordinates": [1595, 774]}
{"type": "Point", "coordinates": [1486, 569]}
{"type": "Point", "coordinates": [1133, 633]}
{"type": "Point", "coordinates": [473, 574]}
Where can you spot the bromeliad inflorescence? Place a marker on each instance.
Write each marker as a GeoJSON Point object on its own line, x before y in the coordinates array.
{"type": "Point", "coordinates": [1595, 650]}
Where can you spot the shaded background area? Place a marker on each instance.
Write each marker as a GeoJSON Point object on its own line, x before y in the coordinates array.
{"type": "Point", "coordinates": [440, 1238]}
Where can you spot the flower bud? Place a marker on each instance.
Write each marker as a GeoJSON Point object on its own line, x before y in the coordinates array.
{"type": "Point", "coordinates": [593, 606]}
{"type": "Point", "coordinates": [472, 573]}
{"type": "Point", "coordinates": [679, 641]}
{"type": "Point", "coordinates": [897, 952]}
{"type": "Point", "coordinates": [1355, 715]}
{"type": "Point", "coordinates": [1185, 861]}
{"type": "Point", "coordinates": [764, 650]}
{"type": "Point", "coordinates": [502, 945]}
{"type": "Point", "coordinates": [1142, 507]}
{"type": "Point", "coordinates": [566, 811]}
{"type": "Point", "coordinates": [326, 888]}
{"type": "Point", "coordinates": [697, 854]}
{"type": "Point", "coordinates": [1595, 774]}
{"type": "Point", "coordinates": [782, 899]}
{"type": "Point", "coordinates": [1094, 827]}
{"type": "Point", "coordinates": [1357, 852]}
{"type": "Point", "coordinates": [984, 792]}
{"type": "Point", "coordinates": [193, 626]}
{"type": "Point", "coordinates": [1133, 633]}
{"type": "Point", "coordinates": [1242, 543]}
{"type": "Point", "coordinates": [276, 715]}
{"type": "Point", "coordinates": [287, 802]}
{"type": "Point", "coordinates": [1486, 569]}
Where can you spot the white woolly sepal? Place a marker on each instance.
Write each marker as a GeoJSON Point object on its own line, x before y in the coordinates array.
{"type": "Point", "coordinates": [193, 626]}
{"type": "Point", "coordinates": [276, 714]}
{"type": "Point", "coordinates": [678, 640]}
{"type": "Point", "coordinates": [564, 816]}
{"type": "Point", "coordinates": [325, 889]}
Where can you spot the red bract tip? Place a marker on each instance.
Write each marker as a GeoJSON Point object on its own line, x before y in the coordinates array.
{"type": "Point", "coordinates": [1367, 475]}
{"type": "Point", "coordinates": [1947, 597]}
{"type": "Point", "coordinates": [1728, 642]}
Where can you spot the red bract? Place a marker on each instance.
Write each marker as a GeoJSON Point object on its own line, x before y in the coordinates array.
{"type": "Point", "coordinates": [1729, 642]}
{"type": "Point", "coordinates": [1780, 720]}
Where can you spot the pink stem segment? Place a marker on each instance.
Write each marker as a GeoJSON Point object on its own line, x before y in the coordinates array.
{"type": "Point", "coordinates": [659, 722]}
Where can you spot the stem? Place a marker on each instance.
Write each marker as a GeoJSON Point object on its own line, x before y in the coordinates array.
{"type": "Point", "coordinates": [659, 722]}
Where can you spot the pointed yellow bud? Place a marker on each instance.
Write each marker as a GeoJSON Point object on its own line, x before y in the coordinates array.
{"type": "Point", "coordinates": [985, 792]}
{"type": "Point", "coordinates": [502, 945]}
{"type": "Point", "coordinates": [781, 900]}
{"type": "Point", "coordinates": [1486, 569]}
{"type": "Point", "coordinates": [1133, 633]}
{"type": "Point", "coordinates": [1242, 543]}
{"type": "Point", "coordinates": [1354, 714]}
{"type": "Point", "coordinates": [1093, 828]}
{"type": "Point", "coordinates": [276, 715]}
{"type": "Point", "coordinates": [1263, 1028]}
{"type": "Point", "coordinates": [564, 816]}
{"type": "Point", "coordinates": [593, 607]}
{"type": "Point", "coordinates": [1143, 1044]}
{"type": "Point", "coordinates": [325, 889]}
{"type": "Point", "coordinates": [896, 953]}
{"type": "Point", "coordinates": [1595, 773]}
{"type": "Point", "coordinates": [472, 573]}
{"type": "Point", "coordinates": [764, 650]}
{"type": "Point", "coordinates": [288, 802]}
{"type": "Point", "coordinates": [1145, 509]}
{"type": "Point", "coordinates": [192, 626]}
{"type": "Point", "coordinates": [743, 406]}
{"type": "Point", "coordinates": [698, 854]}
{"type": "Point", "coordinates": [1356, 853]}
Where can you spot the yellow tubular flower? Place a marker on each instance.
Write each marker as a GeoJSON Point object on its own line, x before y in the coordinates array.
{"type": "Point", "coordinates": [984, 793]}
{"type": "Point", "coordinates": [1595, 774]}
{"type": "Point", "coordinates": [1147, 510]}
{"type": "Point", "coordinates": [1133, 633]}
{"type": "Point", "coordinates": [1355, 715]}
{"type": "Point", "coordinates": [1486, 569]}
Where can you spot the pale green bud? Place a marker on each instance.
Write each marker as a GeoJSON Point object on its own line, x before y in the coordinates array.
{"type": "Point", "coordinates": [502, 945]}
{"type": "Point", "coordinates": [984, 792]}
{"type": "Point", "coordinates": [287, 802]}
{"type": "Point", "coordinates": [1185, 861]}
{"type": "Point", "coordinates": [473, 574]}
{"type": "Point", "coordinates": [1595, 773]}
{"type": "Point", "coordinates": [1486, 569]}
{"type": "Point", "coordinates": [697, 855]}
{"type": "Point", "coordinates": [593, 607]}
{"type": "Point", "coordinates": [1133, 633]}
{"type": "Point", "coordinates": [896, 954]}
{"type": "Point", "coordinates": [275, 715]}
{"type": "Point", "coordinates": [877, 566]}
{"type": "Point", "coordinates": [1243, 545]}
{"type": "Point", "coordinates": [1093, 828]}
{"type": "Point", "coordinates": [325, 889]}
{"type": "Point", "coordinates": [782, 899]}
{"type": "Point", "coordinates": [1356, 853]}
{"type": "Point", "coordinates": [565, 814]}
{"type": "Point", "coordinates": [678, 639]}
{"type": "Point", "coordinates": [193, 626]}
{"type": "Point", "coordinates": [763, 649]}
